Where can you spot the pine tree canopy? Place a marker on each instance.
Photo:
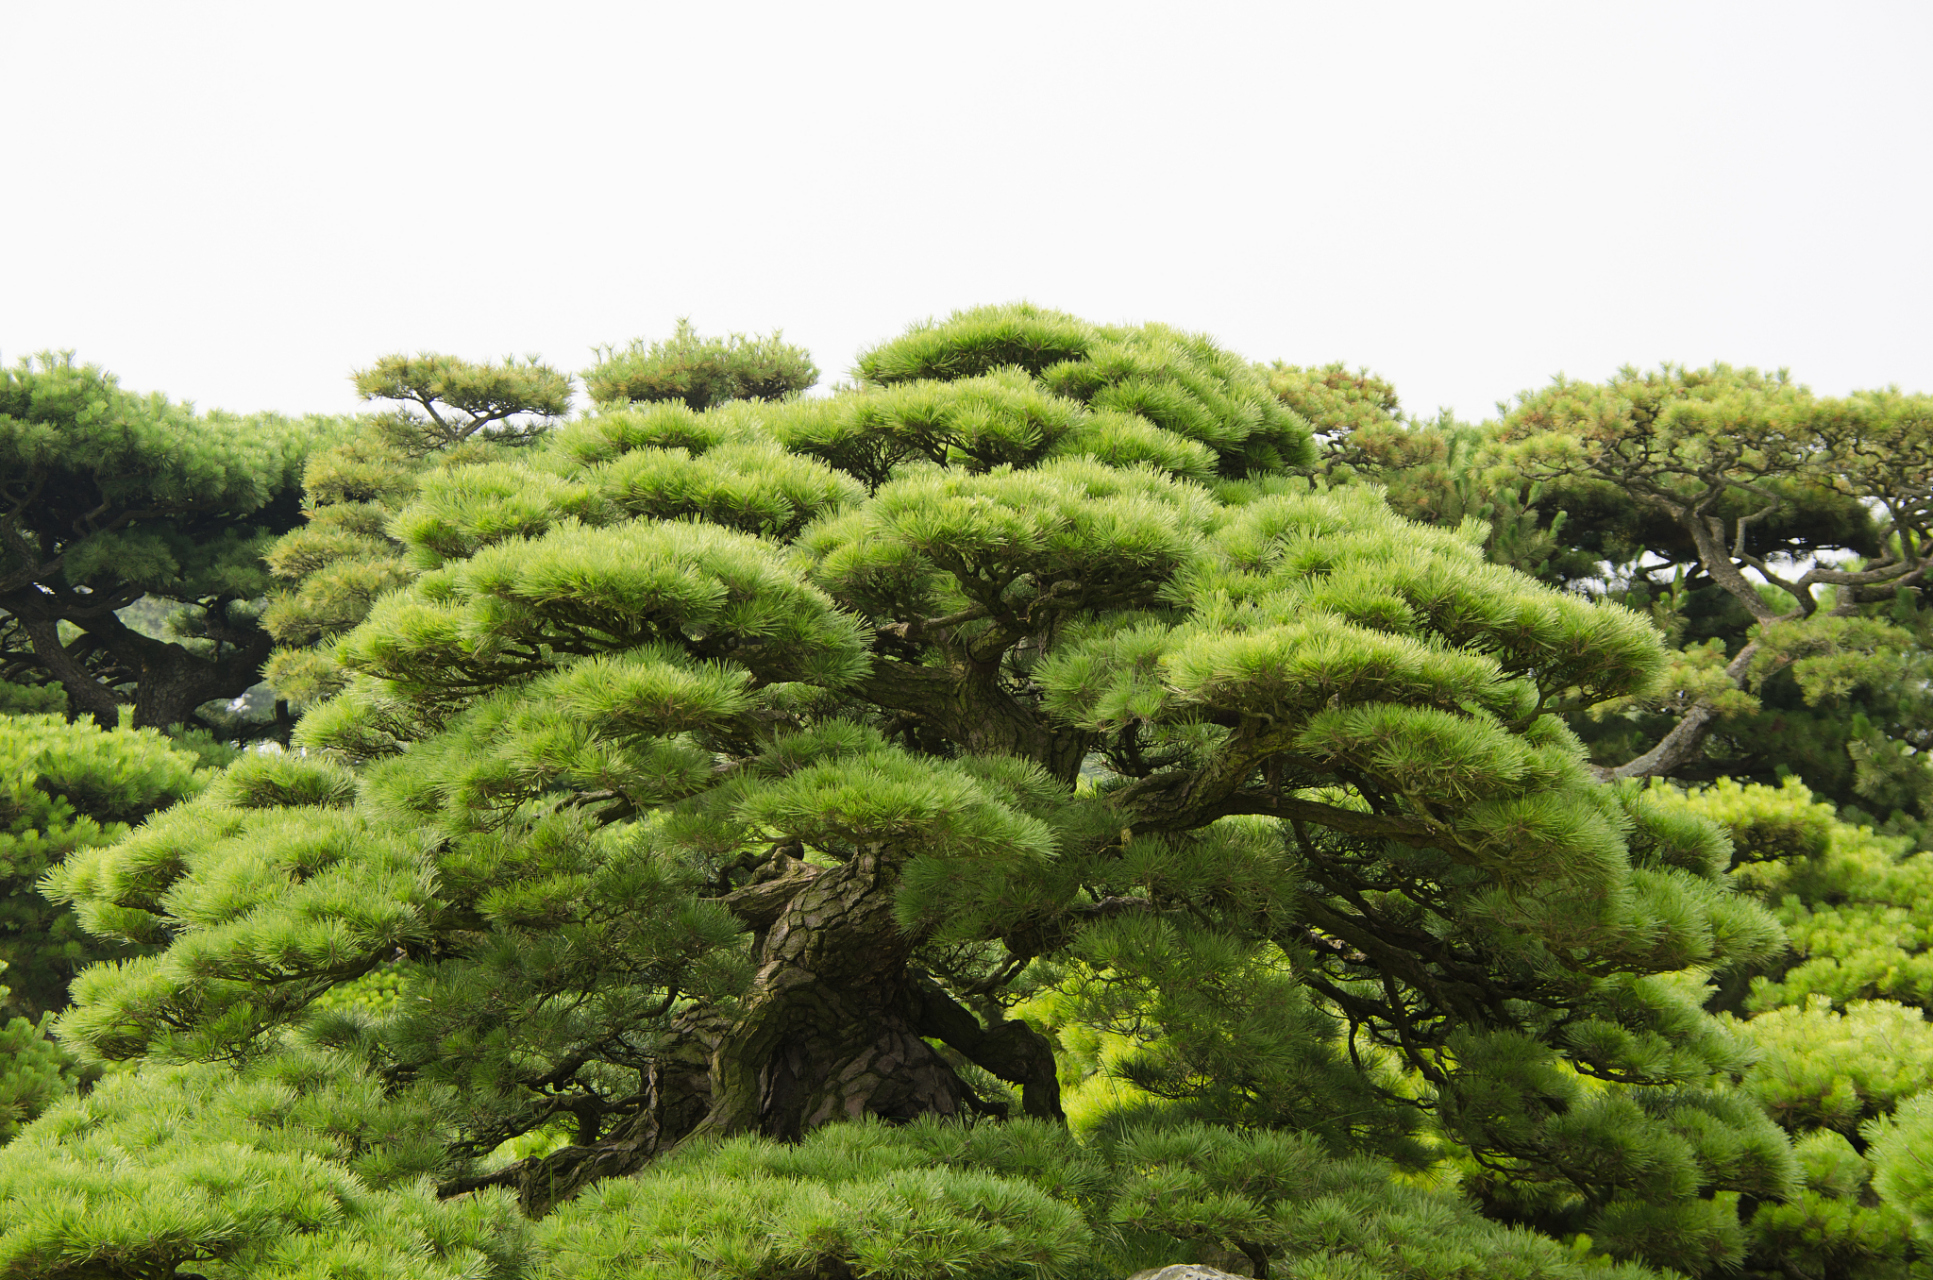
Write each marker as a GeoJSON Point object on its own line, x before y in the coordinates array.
{"type": "Point", "coordinates": [63, 787]}
{"type": "Point", "coordinates": [1805, 513]}
{"type": "Point", "coordinates": [698, 372]}
{"type": "Point", "coordinates": [686, 777]}
{"type": "Point", "coordinates": [1838, 1020]}
{"type": "Point", "coordinates": [451, 414]}
{"type": "Point", "coordinates": [107, 497]}
{"type": "Point", "coordinates": [1774, 537]}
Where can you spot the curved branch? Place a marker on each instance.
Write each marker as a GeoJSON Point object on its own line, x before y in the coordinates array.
{"type": "Point", "coordinates": [1011, 1050]}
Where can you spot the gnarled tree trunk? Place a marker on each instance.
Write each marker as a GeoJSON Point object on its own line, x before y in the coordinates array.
{"type": "Point", "coordinates": [836, 1027]}
{"type": "Point", "coordinates": [829, 1032]}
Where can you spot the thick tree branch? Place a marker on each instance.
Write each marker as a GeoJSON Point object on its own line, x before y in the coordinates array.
{"type": "Point", "coordinates": [1011, 1050]}
{"type": "Point", "coordinates": [1687, 737]}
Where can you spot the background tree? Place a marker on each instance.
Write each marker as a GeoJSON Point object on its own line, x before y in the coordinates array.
{"type": "Point", "coordinates": [34, 1072]}
{"type": "Point", "coordinates": [1783, 537]}
{"type": "Point", "coordinates": [730, 773]}
{"type": "Point", "coordinates": [1633, 490]}
{"type": "Point", "coordinates": [63, 787]}
{"type": "Point", "coordinates": [1437, 471]}
{"type": "Point", "coordinates": [1838, 1015]}
{"type": "Point", "coordinates": [108, 499]}
{"type": "Point", "coordinates": [1839, 1018]}
{"type": "Point", "coordinates": [700, 372]}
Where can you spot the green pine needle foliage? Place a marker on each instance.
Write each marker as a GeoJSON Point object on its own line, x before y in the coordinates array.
{"type": "Point", "coordinates": [701, 776]}
{"type": "Point", "coordinates": [1902, 1157]}
{"type": "Point", "coordinates": [66, 788]}
{"type": "Point", "coordinates": [1833, 1063]}
{"type": "Point", "coordinates": [699, 372]}
{"type": "Point", "coordinates": [453, 415]}
{"type": "Point", "coordinates": [34, 1072]}
{"type": "Point", "coordinates": [301, 1167]}
{"type": "Point", "coordinates": [940, 1199]}
{"type": "Point", "coordinates": [1851, 901]}
{"type": "Point", "coordinates": [114, 500]}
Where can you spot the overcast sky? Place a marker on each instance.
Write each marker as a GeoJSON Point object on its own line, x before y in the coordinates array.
{"type": "Point", "coordinates": [237, 204]}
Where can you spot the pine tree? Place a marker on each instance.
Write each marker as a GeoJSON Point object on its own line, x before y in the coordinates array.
{"type": "Point", "coordinates": [455, 414]}
{"type": "Point", "coordinates": [63, 787]}
{"type": "Point", "coordinates": [1600, 489]}
{"type": "Point", "coordinates": [450, 413]}
{"type": "Point", "coordinates": [1902, 1155]}
{"type": "Point", "coordinates": [34, 1071]}
{"type": "Point", "coordinates": [700, 372]}
{"type": "Point", "coordinates": [1785, 536]}
{"type": "Point", "coordinates": [107, 498]}
{"type": "Point", "coordinates": [721, 774]}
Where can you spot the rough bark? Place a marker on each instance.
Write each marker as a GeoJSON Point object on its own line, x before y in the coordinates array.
{"type": "Point", "coordinates": [1684, 741]}
{"type": "Point", "coordinates": [829, 1031]}
{"type": "Point", "coordinates": [173, 682]}
{"type": "Point", "coordinates": [1011, 1050]}
{"type": "Point", "coordinates": [85, 695]}
{"type": "Point", "coordinates": [169, 681]}
{"type": "Point", "coordinates": [836, 1027]}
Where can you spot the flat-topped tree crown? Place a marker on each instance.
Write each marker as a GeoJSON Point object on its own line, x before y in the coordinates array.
{"type": "Point", "coordinates": [1751, 473]}
{"type": "Point", "coordinates": [745, 770]}
{"type": "Point", "coordinates": [700, 372]}
{"type": "Point", "coordinates": [449, 401]}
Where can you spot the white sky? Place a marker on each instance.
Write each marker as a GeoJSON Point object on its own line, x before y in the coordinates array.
{"type": "Point", "coordinates": [239, 203]}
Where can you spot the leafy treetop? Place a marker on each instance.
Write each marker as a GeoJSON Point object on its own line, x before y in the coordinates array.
{"type": "Point", "coordinates": [450, 400]}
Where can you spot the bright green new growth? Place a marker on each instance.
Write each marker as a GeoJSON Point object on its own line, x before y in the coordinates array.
{"type": "Point", "coordinates": [1902, 1156]}
{"type": "Point", "coordinates": [1828, 1078]}
{"type": "Point", "coordinates": [1832, 1063]}
{"type": "Point", "coordinates": [1851, 902]}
